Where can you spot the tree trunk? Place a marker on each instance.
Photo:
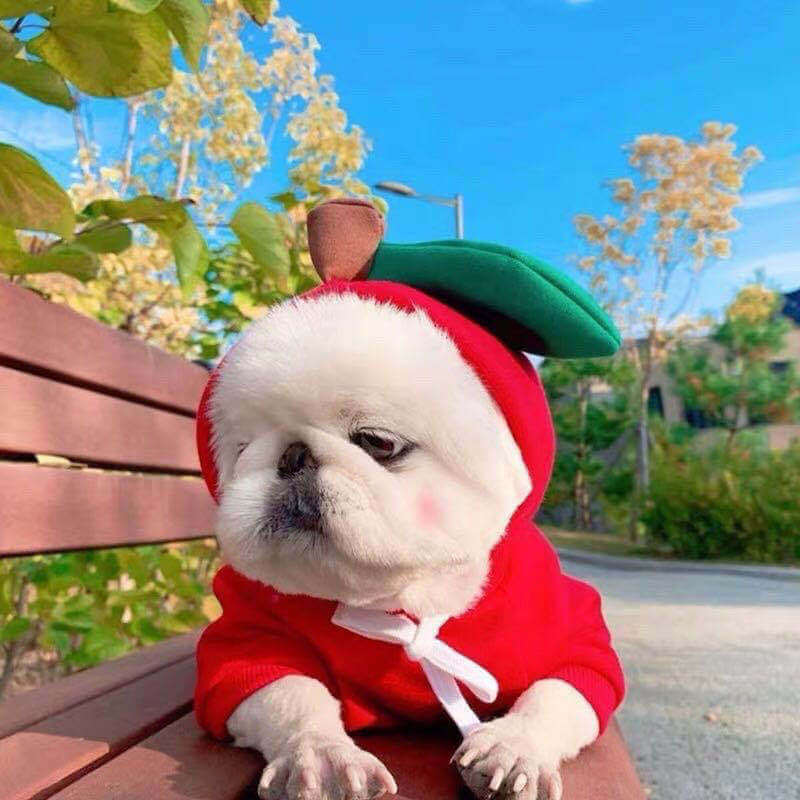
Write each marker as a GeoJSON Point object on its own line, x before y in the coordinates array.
{"type": "Point", "coordinates": [581, 505]}
{"type": "Point", "coordinates": [581, 502]}
{"type": "Point", "coordinates": [13, 650]}
{"type": "Point", "coordinates": [642, 482]}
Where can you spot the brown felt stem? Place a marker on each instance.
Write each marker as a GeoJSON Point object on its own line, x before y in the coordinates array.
{"type": "Point", "coordinates": [343, 235]}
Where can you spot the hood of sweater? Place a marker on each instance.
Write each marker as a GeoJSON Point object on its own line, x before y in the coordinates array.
{"type": "Point", "coordinates": [508, 376]}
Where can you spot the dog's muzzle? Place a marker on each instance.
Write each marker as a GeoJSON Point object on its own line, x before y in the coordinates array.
{"type": "Point", "coordinates": [296, 506]}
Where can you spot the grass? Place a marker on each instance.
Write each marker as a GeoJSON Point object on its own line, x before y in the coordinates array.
{"type": "Point", "coordinates": [613, 545]}
{"type": "Point", "coordinates": [595, 542]}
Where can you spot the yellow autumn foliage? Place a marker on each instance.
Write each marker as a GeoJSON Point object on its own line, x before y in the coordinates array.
{"type": "Point", "coordinates": [213, 134]}
{"type": "Point", "coordinates": [753, 304]}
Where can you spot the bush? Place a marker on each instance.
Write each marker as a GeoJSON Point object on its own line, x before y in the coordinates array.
{"type": "Point", "coordinates": [734, 501]}
{"type": "Point", "coordinates": [63, 612]}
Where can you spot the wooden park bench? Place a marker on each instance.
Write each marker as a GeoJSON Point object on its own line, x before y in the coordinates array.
{"type": "Point", "coordinates": [124, 730]}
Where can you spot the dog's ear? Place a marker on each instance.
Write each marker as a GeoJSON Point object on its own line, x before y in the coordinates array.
{"type": "Point", "coordinates": [343, 235]}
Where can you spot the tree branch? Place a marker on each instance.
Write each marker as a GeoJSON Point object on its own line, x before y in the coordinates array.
{"type": "Point", "coordinates": [130, 133]}
{"type": "Point", "coordinates": [183, 166]}
{"type": "Point", "coordinates": [80, 137]}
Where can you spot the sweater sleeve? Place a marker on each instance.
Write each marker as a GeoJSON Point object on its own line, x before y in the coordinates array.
{"type": "Point", "coordinates": [243, 651]}
{"type": "Point", "coordinates": [590, 663]}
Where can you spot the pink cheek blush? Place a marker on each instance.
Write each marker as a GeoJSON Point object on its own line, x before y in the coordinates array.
{"type": "Point", "coordinates": [429, 511]}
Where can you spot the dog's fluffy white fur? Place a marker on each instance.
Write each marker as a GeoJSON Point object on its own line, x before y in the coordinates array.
{"type": "Point", "coordinates": [317, 371]}
{"type": "Point", "coordinates": [413, 534]}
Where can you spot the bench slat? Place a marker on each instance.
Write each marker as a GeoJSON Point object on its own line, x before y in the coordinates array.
{"type": "Point", "coordinates": [42, 416]}
{"type": "Point", "coordinates": [47, 509]}
{"type": "Point", "coordinates": [420, 763]}
{"type": "Point", "coordinates": [52, 753]}
{"type": "Point", "coordinates": [51, 337]}
{"type": "Point", "coordinates": [177, 763]}
{"type": "Point", "coordinates": [27, 709]}
{"type": "Point", "coordinates": [604, 770]}
{"type": "Point", "coordinates": [180, 763]}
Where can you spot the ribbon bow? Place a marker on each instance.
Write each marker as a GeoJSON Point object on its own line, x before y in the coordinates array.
{"type": "Point", "coordinates": [440, 663]}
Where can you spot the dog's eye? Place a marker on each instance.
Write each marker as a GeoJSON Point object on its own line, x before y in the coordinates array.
{"type": "Point", "coordinates": [381, 445]}
{"type": "Point", "coordinates": [240, 448]}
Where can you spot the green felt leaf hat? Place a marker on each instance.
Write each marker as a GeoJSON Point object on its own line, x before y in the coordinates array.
{"type": "Point", "coordinates": [525, 302]}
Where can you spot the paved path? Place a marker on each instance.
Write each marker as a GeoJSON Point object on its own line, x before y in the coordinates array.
{"type": "Point", "coordinates": [713, 668]}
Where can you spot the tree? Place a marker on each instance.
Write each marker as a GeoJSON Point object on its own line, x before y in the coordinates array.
{"type": "Point", "coordinates": [133, 42]}
{"type": "Point", "coordinates": [729, 378]}
{"type": "Point", "coordinates": [675, 215]}
{"type": "Point", "coordinates": [194, 139]}
{"type": "Point", "coordinates": [591, 408]}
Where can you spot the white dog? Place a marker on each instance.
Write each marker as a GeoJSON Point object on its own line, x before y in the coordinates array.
{"type": "Point", "coordinates": [361, 459]}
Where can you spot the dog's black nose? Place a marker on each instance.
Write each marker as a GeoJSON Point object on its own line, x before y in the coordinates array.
{"type": "Point", "coordinates": [296, 457]}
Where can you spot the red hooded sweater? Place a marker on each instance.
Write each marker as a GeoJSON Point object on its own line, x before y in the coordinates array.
{"type": "Point", "coordinates": [531, 621]}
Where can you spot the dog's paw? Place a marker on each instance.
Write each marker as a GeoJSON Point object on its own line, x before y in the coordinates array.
{"type": "Point", "coordinates": [502, 760]}
{"type": "Point", "coordinates": [325, 768]}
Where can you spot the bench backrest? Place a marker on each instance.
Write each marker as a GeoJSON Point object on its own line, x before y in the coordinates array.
{"type": "Point", "coordinates": [120, 410]}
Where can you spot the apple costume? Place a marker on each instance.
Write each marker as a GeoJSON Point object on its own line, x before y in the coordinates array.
{"type": "Point", "coordinates": [531, 621]}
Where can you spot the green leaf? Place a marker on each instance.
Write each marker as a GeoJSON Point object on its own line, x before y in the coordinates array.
{"type": "Point", "coordinates": [288, 200]}
{"type": "Point", "coordinates": [145, 208]}
{"type": "Point", "coordinates": [29, 198]}
{"type": "Point", "coordinates": [13, 630]}
{"type": "Point", "coordinates": [9, 46]}
{"type": "Point", "coordinates": [259, 10]}
{"type": "Point", "coordinates": [188, 20]}
{"type": "Point", "coordinates": [70, 259]}
{"type": "Point", "coordinates": [112, 239]}
{"type": "Point", "coordinates": [188, 247]}
{"type": "Point", "coordinates": [171, 566]}
{"type": "Point", "coordinates": [18, 8]}
{"type": "Point", "coordinates": [80, 622]}
{"type": "Point", "coordinates": [147, 631]}
{"type": "Point", "coordinates": [169, 219]}
{"type": "Point", "coordinates": [260, 233]}
{"type": "Point", "coordinates": [37, 80]}
{"type": "Point", "coordinates": [114, 54]}
{"type": "Point", "coordinates": [8, 239]}
{"type": "Point", "coordinates": [102, 644]}
{"type": "Point", "coordinates": [137, 6]}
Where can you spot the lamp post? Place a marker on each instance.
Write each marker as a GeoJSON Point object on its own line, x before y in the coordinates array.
{"type": "Point", "coordinates": [456, 202]}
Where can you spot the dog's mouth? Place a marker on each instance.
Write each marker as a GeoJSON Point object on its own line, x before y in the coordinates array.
{"type": "Point", "coordinates": [295, 510]}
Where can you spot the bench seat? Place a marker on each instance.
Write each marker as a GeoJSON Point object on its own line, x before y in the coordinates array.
{"type": "Point", "coordinates": [125, 731]}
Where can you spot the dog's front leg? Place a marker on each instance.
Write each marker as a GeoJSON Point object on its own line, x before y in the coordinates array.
{"type": "Point", "coordinates": [295, 722]}
{"type": "Point", "coordinates": [518, 755]}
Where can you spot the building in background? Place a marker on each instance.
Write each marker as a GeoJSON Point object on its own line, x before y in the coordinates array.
{"type": "Point", "coordinates": [664, 400]}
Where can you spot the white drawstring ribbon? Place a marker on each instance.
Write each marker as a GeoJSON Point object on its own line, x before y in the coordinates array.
{"type": "Point", "coordinates": [440, 663]}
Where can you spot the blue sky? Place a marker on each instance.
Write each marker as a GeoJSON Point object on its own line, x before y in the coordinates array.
{"type": "Point", "coordinates": [523, 107]}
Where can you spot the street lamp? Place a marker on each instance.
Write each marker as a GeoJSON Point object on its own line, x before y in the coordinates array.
{"type": "Point", "coordinates": [456, 202]}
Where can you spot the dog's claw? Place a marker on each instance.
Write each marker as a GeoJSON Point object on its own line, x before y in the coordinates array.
{"type": "Point", "coordinates": [497, 779]}
{"type": "Point", "coordinates": [353, 778]}
{"type": "Point", "coordinates": [554, 785]}
{"type": "Point", "coordinates": [266, 778]}
{"type": "Point", "coordinates": [498, 761]}
{"type": "Point", "coordinates": [309, 779]}
{"type": "Point", "coordinates": [325, 767]}
{"type": "Point", "coordinates": [389, 781]}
